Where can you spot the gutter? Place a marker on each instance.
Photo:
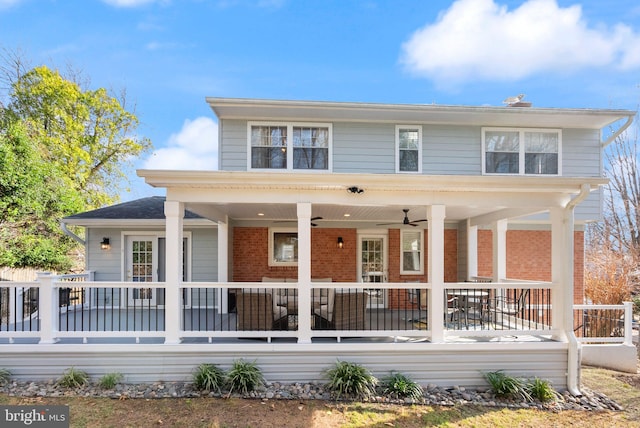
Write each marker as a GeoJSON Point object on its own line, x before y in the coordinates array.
{"type": "Point", "coordinates": [573, 368]}
{"type": "Point", "coordinates": [69, 233]}
{"type": "Point", "coordinates": [618, 132]}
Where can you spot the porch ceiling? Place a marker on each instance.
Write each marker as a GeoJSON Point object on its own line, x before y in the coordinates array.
{"type": "Point", "coordinates": [333, 215]}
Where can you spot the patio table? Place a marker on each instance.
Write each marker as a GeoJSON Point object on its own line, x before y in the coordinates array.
{"type": "Point", "coordinates": [471, 299]}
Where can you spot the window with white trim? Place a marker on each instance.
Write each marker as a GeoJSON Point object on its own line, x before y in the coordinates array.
{"type": "Point", "coordinates": [283, 247]}
{"type": "Point", "coordinates": [411, 252]}
{"type": "Point", "coordinates": [408, 148]}
{"type": "Point", "coordinates": [521, 151]}
{"type": "Point", "coordinates": [290, 146]}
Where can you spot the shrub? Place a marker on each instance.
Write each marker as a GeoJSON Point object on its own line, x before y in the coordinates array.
{"type": "Point", "coordinates": [542, 390]}
{"type": "Point", "coordinates": [244, 377]}
{"type": "Point", "coordinates": [608, 277]}
{"type": "Point", "coordinates": [73, 378]}
{"type": "Point", "coordinates": [401, 386]}
{"type": "Point", "coordinates": [5, 376]}
{"type": "Point", "coordinates": [351, 379]}
{"type": "Point", "coordinates": [110, 380]}
{"type": "Point", "coordinates": [208, 377]}
{"type": "Point", "coordinates": [503, 385]}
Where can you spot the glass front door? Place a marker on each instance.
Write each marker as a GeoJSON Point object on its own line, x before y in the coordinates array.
{"type": "Point", "coordinates": [142, 266]}
{"type": "Point", "coordinates": [373, 267]}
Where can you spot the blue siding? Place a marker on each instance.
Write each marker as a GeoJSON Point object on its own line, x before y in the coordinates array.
{"type": "Point", "coordinates": [108, 264]}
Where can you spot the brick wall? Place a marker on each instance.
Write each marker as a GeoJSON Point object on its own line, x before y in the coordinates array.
{"type": "Point", "coordinates": [529, 256]}
{"type": "Point", "coordinates": [251, 252]}
{"type": "Point", "coordinates": [399, 298]}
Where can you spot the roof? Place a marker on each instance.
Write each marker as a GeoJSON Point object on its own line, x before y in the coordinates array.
{"type": "Point", "coordinates": [261, 109]}
{"type": "Point", "coordinates": [150, 209]}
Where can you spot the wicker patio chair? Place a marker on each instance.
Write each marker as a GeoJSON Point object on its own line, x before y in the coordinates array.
{"type": "Point", "coordinates": [256, 311]}
{"type": "Point", "coordinates": [346, 313]}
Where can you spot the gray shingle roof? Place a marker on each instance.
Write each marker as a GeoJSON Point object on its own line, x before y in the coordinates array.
{"type": "Point", "coordinates": [151, 208]}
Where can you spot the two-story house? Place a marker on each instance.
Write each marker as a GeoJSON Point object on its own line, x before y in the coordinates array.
{"type": "Point", "coordinates": [440, 241]}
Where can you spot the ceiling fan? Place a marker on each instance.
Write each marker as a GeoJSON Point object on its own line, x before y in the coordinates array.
{"type": "Point", "coordinates": [406, 220]}
{"type": "Point", "coordinates": [294, 221]}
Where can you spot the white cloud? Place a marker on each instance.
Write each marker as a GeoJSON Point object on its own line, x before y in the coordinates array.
{"type": "Point", "coordinates": [480, 39]}
{"type": "Point", "coordinates": [128, 3]}
{"type": "Point", "coordinates": [195, 147]}
{"type": "Point", "coordinates": [157, 46]}
{"type": "Point", "coordinates": [6, 4]}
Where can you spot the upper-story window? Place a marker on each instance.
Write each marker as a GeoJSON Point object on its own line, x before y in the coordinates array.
{"type": "Point", "coordinates": [521, 151]}
{"type": "Point", "coordinates": [408, 148]}
{"type": "Point", "coordinates": [293, 146]}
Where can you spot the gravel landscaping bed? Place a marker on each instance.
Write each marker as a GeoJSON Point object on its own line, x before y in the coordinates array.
{"type": "Point", "coordinates": [433, 395]}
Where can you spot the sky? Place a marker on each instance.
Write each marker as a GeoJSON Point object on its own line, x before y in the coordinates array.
{"type": "Point", "coordinates": [170, 54]}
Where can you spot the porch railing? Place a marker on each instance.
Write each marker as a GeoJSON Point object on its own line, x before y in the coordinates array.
{"type": "Point", "coordinates": [604, 323]}
{"type": "Point", "coordinates": [75, 307]}
{"type": "Point", "coordinates": [511, 307]}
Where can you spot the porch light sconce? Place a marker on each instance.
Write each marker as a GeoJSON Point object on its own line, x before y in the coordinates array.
{"type": "Point", "coordinates": [340, 242]}
{"type": "Point", "coordinates": [105, 245]}
{"type": "Point", "coordinates": [355, 190]}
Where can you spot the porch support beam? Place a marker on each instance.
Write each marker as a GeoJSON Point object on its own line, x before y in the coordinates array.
{"type": "Point", "coordinates": [567, 284]}
{"type": "Point", "coordinates": [558, 266]}
{"type": "Point", "coordinates": [437, 311]}
{"type": "Point", "coordinates": [472, 250]}
{"type": "Point", "coordinates": [503, 214]}
{"type": "Point", "coordinates": [223, 264]}
{"type": "Point", "coordinates": [174, 214]}
{"type": "Point", "coordinates": [500, 250]}
{"type": "Point", "coordinates": [304, 272]}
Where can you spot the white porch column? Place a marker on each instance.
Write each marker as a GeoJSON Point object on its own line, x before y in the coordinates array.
{"type": "Point", "coordinates": [565, 222]}
{"type": "Point", "coordinates": [223, 264]}
{"type": "Point", "coordinates": [499, 250]}
{"type": "Point", "coordinates": [47, 308]}
{"type": "Point", "coordinates": [435, 215]}
{"type": "Point", "coordinates": [472, 250]}
{"type": "Point", "coordinates": [304, 272]}
{"type": "Point", "coordinates": [174, 213]}
{"type": "Point", "coordinates": [558, 266]}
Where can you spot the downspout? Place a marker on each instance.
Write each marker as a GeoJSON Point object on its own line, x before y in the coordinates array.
{"type": "Point", "coordinates": [618, 132]}
{"type": "Point", "coordinates": [573, 369]}
{"type": "Point", "coordinates": [69, 233]}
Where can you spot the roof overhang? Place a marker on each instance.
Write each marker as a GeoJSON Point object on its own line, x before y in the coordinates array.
{"type": "Point", "coordinates": [282, 110]}
{"type": "Point", "coordinates": [242, 195]}
{"type": "Point", "coordinates": [133, 223]}
{"type": "Point", "coordinates": [273, 181]}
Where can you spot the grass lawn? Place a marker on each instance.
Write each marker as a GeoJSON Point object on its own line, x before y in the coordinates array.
{"type": "Point", "coordinates": [209, 412]}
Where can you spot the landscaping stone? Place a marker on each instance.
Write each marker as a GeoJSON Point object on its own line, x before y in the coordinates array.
{"type": "Point", "coordinates": [433, 395]}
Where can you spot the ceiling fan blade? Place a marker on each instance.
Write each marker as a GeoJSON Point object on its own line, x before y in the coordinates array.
{"type": "Point", "coordinates": [316, 218]}
{"type": "Point", "coordinates": [418, 221]}
{"type": "Point", "coordinates": [386, 224]}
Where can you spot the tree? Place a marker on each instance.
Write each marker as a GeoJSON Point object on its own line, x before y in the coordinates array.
{"type": "Point", "coordinates": [63, 150]}
{"type": "Point", "coordinates": [87, 134]}
{"type": "Point", "coordinates": [622, 195]}
{"type": "Point", "coordinates": [34, 195]}
{"type": "Point", "coordinates": [613, 253]}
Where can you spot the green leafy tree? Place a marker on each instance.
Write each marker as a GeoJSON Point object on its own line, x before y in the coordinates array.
{"type": "Point", "coordinates": [34, 195]}
{"type": "Point", "coordinates": [63, 149]}
{"type": "Point", "coordinates": [87, 134]}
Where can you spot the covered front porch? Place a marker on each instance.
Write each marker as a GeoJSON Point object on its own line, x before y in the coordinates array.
{"type": "Point", "coordinates": [349, 289]}
{"type": "Point", "coordinates": [84, 331]}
